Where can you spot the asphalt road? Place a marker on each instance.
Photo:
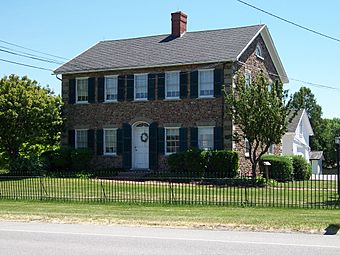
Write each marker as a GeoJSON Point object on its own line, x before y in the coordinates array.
{"type": "Point", "coordinates": [41, 238]}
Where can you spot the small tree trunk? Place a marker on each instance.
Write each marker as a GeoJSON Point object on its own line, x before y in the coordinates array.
{"type": "Point", "coordinates": [253, 168]}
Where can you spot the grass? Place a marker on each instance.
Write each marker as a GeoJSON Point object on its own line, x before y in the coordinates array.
{"type": "Point", "coordinates": [215, 217]}
{"type": "Point", "coordinates": [299, 194]}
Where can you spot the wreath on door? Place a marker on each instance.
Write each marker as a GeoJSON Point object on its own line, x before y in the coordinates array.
{"type": "Point", "coordinates": [144, 137]}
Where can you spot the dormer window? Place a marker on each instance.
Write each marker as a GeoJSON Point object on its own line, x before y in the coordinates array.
{"type": "Point", "coordinates": [258, 51]}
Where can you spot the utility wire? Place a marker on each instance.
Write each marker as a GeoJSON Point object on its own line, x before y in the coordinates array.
{"type": "Point", "coordinates": [47, 54]}
{"type": "Point", "coordinates": [290, 78]}
{"type": "Point", "coordinates": [22, 64]}
{"type": "Point", "coordinates": [26, 56]}
{"type": "Point", "coordinates": [290, 22]}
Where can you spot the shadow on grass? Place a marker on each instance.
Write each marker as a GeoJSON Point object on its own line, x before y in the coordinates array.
{"type": "Point", "coordinates": [332, 229]}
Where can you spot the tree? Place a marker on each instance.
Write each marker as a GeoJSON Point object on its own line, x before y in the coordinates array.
{"type": "Point", "coordinates": [304, 98]}
{"type": "Point", "coordinates": [330, 129]}
{"type": "Point", "coordinates": [260, 113]}
{"type": "Point", "coordinates": [30, 116]}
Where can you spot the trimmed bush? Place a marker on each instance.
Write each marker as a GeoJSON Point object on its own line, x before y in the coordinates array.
{"type": "Point", "coordinates": [221, 164]}
{"type": "Point", "coordinates": [281, 168]}
{"type": "Point", "coordinates": [208, 164]}
{"type": "Point", "coordinates": [301, 169]}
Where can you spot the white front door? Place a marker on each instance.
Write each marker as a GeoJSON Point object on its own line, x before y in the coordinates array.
{"type": "Point", "coordinates": [140, 149]}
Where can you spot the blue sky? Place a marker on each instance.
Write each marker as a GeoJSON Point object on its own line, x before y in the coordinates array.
{"type": "Point", "coordinates": [67, 28]}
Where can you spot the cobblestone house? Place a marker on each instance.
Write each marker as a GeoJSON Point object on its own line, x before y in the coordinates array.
{"type": "Point", "coordinates": [135, 101]}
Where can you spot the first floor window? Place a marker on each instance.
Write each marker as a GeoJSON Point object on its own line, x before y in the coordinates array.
{"type": "Point", "coordinates": [82, 90]}
{"type": "Point", "coordinates": [206, 83]}
{"type": "Point", "coordinates": [81, 138]}
{"type": "Point", "coordinates": [141, 87]}
{"type": "Point", "coordinates": [110, 141]}
{"type": "Point", "coordinates": [206, 138]}
{"type": "Point", "coordinates": [171, 140]}
{"type": "Point", "coordinates": [246, 148]}
{"type": "Point", "coordinates": [111, 84]}
{"type": "Point", "coordinates": [172, 84]}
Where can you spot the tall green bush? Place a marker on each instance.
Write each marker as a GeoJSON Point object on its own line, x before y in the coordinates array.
{"type": "Point", "coordinates": [221, 164]}
{"type": "Point", "coordinates": [280, 169]}
{"type": "Point", "coordinates": [301, 169]}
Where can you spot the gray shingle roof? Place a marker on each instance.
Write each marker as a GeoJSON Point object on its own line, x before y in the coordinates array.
{"type": "Point", "coordinates": [161, 50]}
{"type": "Point", "coordinates": [292, 126]}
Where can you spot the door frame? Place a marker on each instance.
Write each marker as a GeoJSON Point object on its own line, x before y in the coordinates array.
{"type": "Point", "coordinates": [134, 138]}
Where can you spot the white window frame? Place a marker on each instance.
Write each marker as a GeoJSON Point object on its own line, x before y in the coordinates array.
{"type": "Point", "coordinates": [247, 72]}
{"type": "Point", "coordinates": [165, 139]}
{"type": "Point", "coordinates": [78, 79]}
{"type": "Point", "coordinates": [76, 140]}
{"type": "Point", "coordinates": [199, 83]}
{"type": "Point", "coordinates": [110, 100]}
{"type": "Point", "coordinates": [259, 51]}
{"type": "Point", "coordinates": [246, 151]}
{"type": "Point", "coordinates": [104, 142]}
{"type": "Point", "coordinates": [134, 88]}
{"type": "Point", "coordinates": [178, 85]}
{"type": "Point", "coordinates": [198, 136]}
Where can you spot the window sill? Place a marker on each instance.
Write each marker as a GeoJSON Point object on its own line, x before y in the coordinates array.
{"type": "Point", "coordinates": [110, 154]}
{"type": "Point", "coordinates": [140, 100]}
{"type": "Point", "coordinates": [110, 101]}
{"type": "Point", "coordinates": [172, 99]}
{"type": "Point", "coordinates": [205, 97]}
{"type": "Point", "coordinates": [82, 102]}
{"type": "Point", "coordinates": [260, 57]}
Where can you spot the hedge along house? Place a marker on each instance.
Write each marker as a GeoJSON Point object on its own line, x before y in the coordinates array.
{"type": "Point", "coordinates": [135, 101]}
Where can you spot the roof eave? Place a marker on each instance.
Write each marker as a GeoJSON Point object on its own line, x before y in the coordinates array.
{"type": "Point", "coordinates": [272, 52]}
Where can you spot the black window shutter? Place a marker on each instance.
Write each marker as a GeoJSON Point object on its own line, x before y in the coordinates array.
{"type": "Point", "coordinates": [153, 155]}
{"type": "Point", "coordinates": [127, 146]}
{"type": "Point", "coordinates": [72, 138]}
{"type": "Point", "coordinates": [218, 81]}
{"type": "Point", "coordinates": [218, 138]}
{"type": "Point", "coordinates": [91, 88]}
{"type": "Point", "coordinates": [90, 139]}
{"type": "Point", "coordinates": [194, 84]}
{"type": "Point", "coordinates": [72, 91]}
{"type": "Point", "coordinates": [161, 141]}
{"type": "Point", "coordinates": [161, 85]}
{"type": "Point", "coordinates": [119, 141]}
{"type": "Point", "coordinates": [183, 139]}
{"type": "Point", "coordinates": [151, 86]}
{"type": "Point", "coordinates": [194, 137]}
{"type": "Point", "coordinates": [130, 88]}
{"type": "Point", "coordinates": [121, 88]}
{"type": "Point", "coordinates": [100, 138]}
{"type": "Point", "coordinates": [183, 85]}
{"type": "Point", "coordinates": [101, 89]}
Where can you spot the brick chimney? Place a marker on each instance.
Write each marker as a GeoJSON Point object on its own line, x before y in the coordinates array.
{"type": "Point", "coordinates": [178, 23]}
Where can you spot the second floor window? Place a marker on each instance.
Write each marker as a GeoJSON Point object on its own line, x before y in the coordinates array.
{"type": "Point", "coordinates": [111, 83]}
{"type": "Point", "coordinates": [81, 138]}
{"type": "Point", "coordinates": [141, 87]}
{"type": "Point", "coordinates": [82, 90]}
{"type": "Point", "coordinates": [206, 83]}
{"type": "Point", "coordinates": [172, 84]}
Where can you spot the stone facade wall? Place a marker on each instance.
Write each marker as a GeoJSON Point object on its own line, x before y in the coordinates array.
{"type": "Point", "coordinates": [185, 112]}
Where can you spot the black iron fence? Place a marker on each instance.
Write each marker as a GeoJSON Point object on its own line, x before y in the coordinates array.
{"type": "Point", "coordinates": [320, 191]}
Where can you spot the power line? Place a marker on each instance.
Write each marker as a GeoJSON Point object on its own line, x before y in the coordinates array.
{"type": "Point", "coordinates": [22, 64]}
{"type": "Point", "coordinates": [290, 22]}
{"type": "Point", "coordinates": [31, 57]}
{"type": "Point", "coordinates": [293, 79]}
{"type": "Point", "coordinates": [40, 52]}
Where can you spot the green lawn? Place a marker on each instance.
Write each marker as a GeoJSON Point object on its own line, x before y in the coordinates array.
{"type": "Point", "coordinates": [171, 215]}
{"type": "Point", "coordinates": [295, 194]}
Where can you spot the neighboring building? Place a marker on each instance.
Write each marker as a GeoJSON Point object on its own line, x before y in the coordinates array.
{"type": "Point", "coordinates": [135, 101]}
{"type": "Point", "coordinates": [296, 139]}
{"type": "Point", "coordinates": [316, 158]}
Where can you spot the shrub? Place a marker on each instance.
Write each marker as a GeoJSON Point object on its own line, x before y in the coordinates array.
{"type": "Point", "coordinates": [27, 166]}
{"type": "Point", "coordinates": [209, 164]}
{"type": "Point", "coordinates": [68, 159]}
{"type": "Point", "coordinates": [222, 164]}
{"type": "Point", "coordinates": [301, 169]}
{"type": "Point", "coordinates": [281, 168]}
